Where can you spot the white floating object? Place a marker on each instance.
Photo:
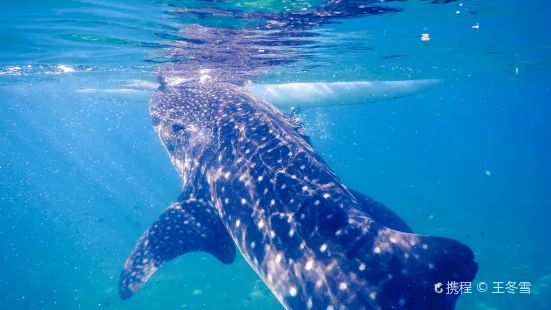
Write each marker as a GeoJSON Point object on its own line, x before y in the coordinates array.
{"type": "Point", "coordinates": [338, 93]}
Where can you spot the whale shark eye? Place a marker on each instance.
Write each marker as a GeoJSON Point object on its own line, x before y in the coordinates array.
{"type": "Point", "coordinates": [178, 127]}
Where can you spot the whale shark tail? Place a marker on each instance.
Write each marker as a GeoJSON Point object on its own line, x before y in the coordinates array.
{"type": "Point", "coordinates": [410, 271]}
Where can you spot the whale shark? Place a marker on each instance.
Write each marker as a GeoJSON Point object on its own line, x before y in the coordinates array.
{"type": "Point", "coordinates": [252, 183]}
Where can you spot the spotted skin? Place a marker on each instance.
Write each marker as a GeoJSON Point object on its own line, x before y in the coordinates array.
{"type": "Point", "coordinates": [315, 243]}
{"type": "Point", "coordinates": [380, 213]}
{"type": "Point", "coordinates": [186, 226]}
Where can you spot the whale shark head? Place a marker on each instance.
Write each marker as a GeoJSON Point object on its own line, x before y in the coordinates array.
{"type": "Point", "coordinates": [195, 114]}
{"type": "Point", "coordinates": [182, 110]}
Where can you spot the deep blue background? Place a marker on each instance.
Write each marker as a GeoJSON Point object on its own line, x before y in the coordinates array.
{"type": "Point", "coordinates": [83, 174]}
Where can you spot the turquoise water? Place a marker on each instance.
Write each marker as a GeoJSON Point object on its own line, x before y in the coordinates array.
{"type": "Point", "coordinates": [82, 173]}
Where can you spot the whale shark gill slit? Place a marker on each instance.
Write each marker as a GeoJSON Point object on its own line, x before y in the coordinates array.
{"type": "Point", "coordinates": [185, 226]}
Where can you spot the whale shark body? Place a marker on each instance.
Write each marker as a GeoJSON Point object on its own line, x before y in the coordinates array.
{"type": "Point", "coordinates": [252, 181]}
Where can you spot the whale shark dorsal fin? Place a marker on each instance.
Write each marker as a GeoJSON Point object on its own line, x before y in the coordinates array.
{"type": "Point", "coordinates": [185, 226]}
{"type": "Point", "coordinates": [321, 94]}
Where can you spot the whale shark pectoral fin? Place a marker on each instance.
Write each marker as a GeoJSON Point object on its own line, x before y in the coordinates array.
{"type": "Point", "coordinates": [321, 94]}
{"type": "Point", "coordinates": [380, 213]}
{"type": "Point", "coordinates": [185, 226]}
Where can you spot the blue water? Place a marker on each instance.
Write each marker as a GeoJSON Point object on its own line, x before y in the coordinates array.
{"type": "Point", "coordinates": [82, 173]}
